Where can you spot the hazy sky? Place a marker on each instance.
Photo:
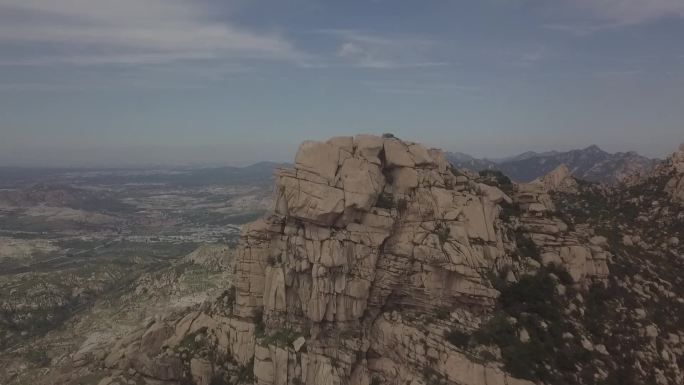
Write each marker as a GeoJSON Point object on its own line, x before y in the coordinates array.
{"type": "Point", "coordinates": [95, 82]}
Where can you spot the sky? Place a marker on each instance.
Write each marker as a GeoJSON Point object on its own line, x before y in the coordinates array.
{"type": "Point", "coordinates": [176, 82]}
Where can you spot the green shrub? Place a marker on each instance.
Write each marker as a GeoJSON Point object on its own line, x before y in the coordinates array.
{"type": "Point", "coordinates": [498, 278]}
{"type": "Point", "coordinates": [497, 177]}
{"type": "Point", "coordinates": [259, 326]}
{"type": "Point", "coordinates": [37, 356]}
{"type": "Point", "coordinates": [189, 341]}
{"type": "Point", "coordinates": [535, 306]}
{"type": "Point", "coordinates": [385, 201]}
{"type": "Point", "coordinates": [271, 260]}
{"type": "Point", "coordinates": [246, 373]}
{"type": "Point", "coordinates": [402, 205]}
{"type": "Point", "coordinates": [442, 313]}
{"type": "Point", "coordinates": [281, 337]}
{"type": "Point", "coordinates": [443, 231]}
{"type": "Point", "coordinates": [526, 246]}
{"type": "Point", "coordinates": [497, 331]}
{"type": "Point", "coordinates": [510, 211]}
{"type": "Point", "coordinates": [532, 294]}
{"type": "Point", "coordinates": [219, 380]}
{"type": "Point", "coordinates": [595, 309]}
{"type": "Point", "coordinates": [458, 338]}
{"type": "Point", "coordinates": [229, 296]}
{"type": "Point", "coordinates": [560, 272]}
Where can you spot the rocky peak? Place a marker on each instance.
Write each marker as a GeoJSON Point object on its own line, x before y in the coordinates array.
{"type": "Point", "coordinates": [559, 178]}
{"type": "Point", "coordinates": [334, 182]}
{"type": "Point", "coordinates": [594, 149]}
{"type": "Point", "coordinates": [381, 264]}
{"type": "Point", "coordinates": [362, 226]}
{"type": "Point", "coordinates": [348, 201]}
{"type": "Point", "coordinates": [675, 185]}
{"type": "Point", "coordinates": [667, 176]}
{"type": "Point", "coordinates": [369, 239]}
{"type": "Point", "coordinates": [535, 196]}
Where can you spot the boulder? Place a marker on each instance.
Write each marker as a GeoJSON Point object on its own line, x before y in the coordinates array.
{"type": "Point", "coordinates": [397, 154]}
{"type": "Point", "coordinates": [318, 158]}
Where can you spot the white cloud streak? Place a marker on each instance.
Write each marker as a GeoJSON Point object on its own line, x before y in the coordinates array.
{"type": "Point", "coordinates": [363, 50]}
{"type": "Point", "coordinates": [423, 88]}
{"type": "Point", "coordinates": [632, 11]}
{"type": "Point", "coordinates": [132, 32]}
{"type": "Point", "coordinates": [603, 15]}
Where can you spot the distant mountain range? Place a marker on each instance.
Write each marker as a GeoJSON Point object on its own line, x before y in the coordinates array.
{"type": "Point", "coordinates": [591, 163]}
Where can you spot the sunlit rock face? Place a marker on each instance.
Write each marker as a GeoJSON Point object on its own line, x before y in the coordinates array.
{"type": "Point", "coordinates": [360, 218]}
{"type": "Point", "coordinates": [375, 252]}
{"type": "Point", "coordinates": [361, 226]}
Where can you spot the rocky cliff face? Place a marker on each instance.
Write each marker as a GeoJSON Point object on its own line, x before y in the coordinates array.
{"type": "Point", "coordinates": [370, 239]}
{"type": "Point", "coordinates": [381, 264]}
{"type": "Point", "coordinates": [554, 242]}
{"type": "Point", "coordinates": [362, 226]}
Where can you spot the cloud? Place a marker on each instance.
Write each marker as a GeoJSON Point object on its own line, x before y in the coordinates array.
{"type": "Point", "coordinates": [526, 60]}
{"type": "Point", "coordinates": [90, 32]}
{"type": "Point", "coordinates": [586, 17]}
{"type": "Point", "coordinates": [364, 50]}
{"type": "Point", "coordinates": [632, 11]}
{"type": "Point", "coordinates": [408, 87]}
{"type": "Point", "coordinates": [581, 29]}
{"type": "Point", "coordinates": [601, 15]}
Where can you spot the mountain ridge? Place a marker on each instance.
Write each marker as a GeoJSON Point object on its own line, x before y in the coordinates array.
{"type": "Point", "coordinates": [590, 163]}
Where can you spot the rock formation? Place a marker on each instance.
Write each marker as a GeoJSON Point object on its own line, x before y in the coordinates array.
{"type": "Point", "coordinates": [555, 243]}
{"type": "Point", "coordinates": [382, 264]}
{"type": "Point", "coordinates": [366, 225]}
{"type": "Point", "coordinates": [674, 167]}
{"type": "Point", "coordinates": [363, 225]}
